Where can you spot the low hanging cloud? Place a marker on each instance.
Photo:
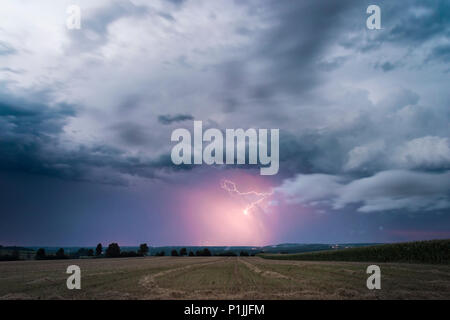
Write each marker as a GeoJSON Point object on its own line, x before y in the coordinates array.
{"type": "Point", "coordinates": [426, 152]}
{"type": "Point", "coordinates": [400, 190]}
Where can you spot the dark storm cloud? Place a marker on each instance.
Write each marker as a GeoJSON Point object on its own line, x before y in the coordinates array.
{"type": "Point", "coordinates": [169, 119]}
{"type": "Point", "coordinates": [28, 128]}
{"type": "Point", "coordinates": [441, 52]}
{"type": "Point", "coordinates": [290, 51]}
{"type": "Point", "coordinates": [386, 66]}
{"type": "Point", "coordinates": [292, 57]}
{"type": "Point", "coordinates": [363, 122]}
{"type": "Point", "coordinates": [131, 133]}
{"type": "Point", "coordinates": [300, 154]}
{"type": "Point", "coordinates": [408, 24]}
{"type": "Point", "coordinates": [292, 48]}
{"type": "Point", "coordinates": [424, 21]}
{"type": "Point", "coordinates": [30, 143]}
{"type": "Point", "coordinates": [30, 117]}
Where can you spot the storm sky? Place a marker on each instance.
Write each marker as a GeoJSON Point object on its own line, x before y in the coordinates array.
{"type": "Point", "coordinates": [86, 118]}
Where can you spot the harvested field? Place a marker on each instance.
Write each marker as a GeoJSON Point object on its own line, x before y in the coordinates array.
{"type": "Point", "coordinates": [220, 278]}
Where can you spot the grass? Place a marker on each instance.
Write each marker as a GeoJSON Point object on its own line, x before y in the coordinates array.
{"type": "Point", "coordinates": [432, 252]}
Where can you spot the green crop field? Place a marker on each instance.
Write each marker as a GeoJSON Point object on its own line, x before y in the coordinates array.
{"type": "Point", "coordinates": [433, 252]}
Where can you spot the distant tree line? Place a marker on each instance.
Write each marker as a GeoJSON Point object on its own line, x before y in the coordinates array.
{"type": "Point", "coordinates": [10, 257]}
{"type": "Point", "coordinates": [203, 253]}
{"type": "Point", "coordinates": [13, 253]}
{"type": "Point", "coordinates": [183, 252]}
{"type": "Point", "coordinates": [42, 255]}
{"type": "Point", "coordinates": [114, 251]}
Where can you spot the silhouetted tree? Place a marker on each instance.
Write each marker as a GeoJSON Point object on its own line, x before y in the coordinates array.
{"type": "Point", "coordinates": [60, 254]}
{"type": "Point", "coordinates": [40, 254]}
{"type": "Point", "coordinates": [174, 253]}
{"type": "Point", "coordinates": [160, 254]}
{"type": "Point", "coordinates": [90, 253]}
{"type": "Point", "coordinates": [129, 254]}
{"type": "Point", "coordinates": [191, 254]}
{"type": "Point", "coordinates": [81, 252]}
{"type": "Point", "coordinates": [113, 251]}
{"type": "Point", "coordinates": [183, 252]}
{"type": "Point", "coordinates": [143, 249]}
{"type": "Point", "coordinates": [243, 254]}
{"type": "Point", "coordinates": [205, 252]}
{"type": "Point", "coordinates": [226, 254]}
{"type": "Point", "coordinates": [98, 249]}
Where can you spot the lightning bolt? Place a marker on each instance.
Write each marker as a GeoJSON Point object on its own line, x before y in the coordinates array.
{"type": "Point", "coordinates": [230, 186]}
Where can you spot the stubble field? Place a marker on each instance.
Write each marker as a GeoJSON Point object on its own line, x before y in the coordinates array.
{"type": "Point", "coordinates": [220, 278]}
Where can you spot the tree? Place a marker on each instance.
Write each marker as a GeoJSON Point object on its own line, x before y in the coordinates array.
{"type": "Point", "coordinates": [226, 254]}
{"type": "Point", "coordinates": [183, 252]}
{"type": "Point", "coordinates": [40, 254]}
{"type": "Point", "coordinates": [204, 252]}
{"type": "Point", "coordinates": [60, 254]}
{"type": "Point", "coordinates": [129, 254]}
{"type": "Point", "coordinates": [143, 249]}
{"type": "Point", "coordinates": [99, 250]}
{"type": "Point", "coordinates": [113, 250]}
{"type": "Point", "coordinates": [174, 253]}
{"type": "Point", "coordinates": [191, 254]}
{"type": "Point", "coordinates": [90, 253]}
{"type": "Point", "coordinates": [160, 254]}
{"type": "Point", "coordinates": [81, 252]}
{"type": "Point", "coordinates": [244, 254]}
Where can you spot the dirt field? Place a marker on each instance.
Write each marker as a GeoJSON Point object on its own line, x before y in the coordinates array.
{"type": "Point", "coordinates": [220, 278]}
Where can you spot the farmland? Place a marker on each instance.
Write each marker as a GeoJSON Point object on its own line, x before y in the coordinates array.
{"type": "Point", "coordinates": [220, 278]}
{"type": "Point", "coordinates": [433, 252]}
